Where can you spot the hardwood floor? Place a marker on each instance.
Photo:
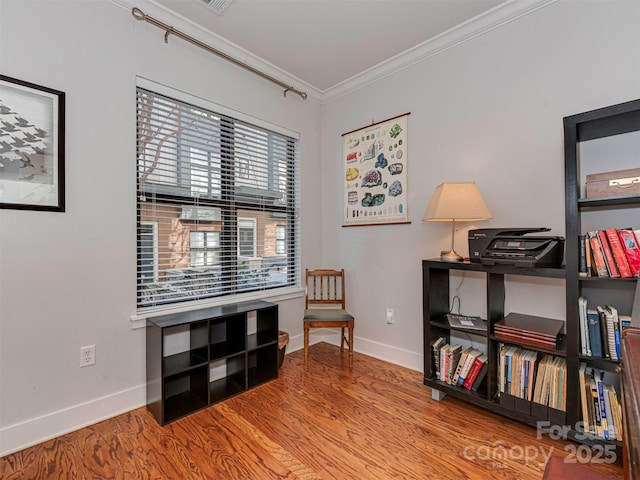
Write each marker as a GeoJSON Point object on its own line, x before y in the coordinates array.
{"type": "Point", "coordinates": [375, 422]}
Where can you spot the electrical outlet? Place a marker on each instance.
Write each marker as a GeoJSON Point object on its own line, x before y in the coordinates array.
{"type": "Point", "coordinates": [390, 316]}
{"type": "Point", "coordinates": [87, 356]}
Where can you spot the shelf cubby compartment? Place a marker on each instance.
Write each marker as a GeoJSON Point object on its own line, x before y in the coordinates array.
{"type": "Point", "coordinates": [227, 377]}
{"type": "Point", "coordinates": [184, 393]}
{"type": "Point", "coordinates": [442, 323]}
{"type": "Point", "coordinates": [266, 328]}
{"type": "Point", "coordinates": [262, 364]}
{"type": "Point", "coordinates": [228, 336]}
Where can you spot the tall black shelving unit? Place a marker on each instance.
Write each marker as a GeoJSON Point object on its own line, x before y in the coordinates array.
{"type": "Point", "coordinates": [592, 125]}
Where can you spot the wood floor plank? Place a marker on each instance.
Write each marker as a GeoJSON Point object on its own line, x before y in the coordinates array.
{"type": "Point", "coordinates": [376, 421]}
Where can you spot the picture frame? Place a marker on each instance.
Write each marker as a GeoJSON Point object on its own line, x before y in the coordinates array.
{"type": "Point", "coordinates": [32, 119]}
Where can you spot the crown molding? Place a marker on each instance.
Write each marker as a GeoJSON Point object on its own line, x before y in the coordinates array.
{"type": "Point", "coordinates": [498, 16]}
{"type": "Point", "coordinates": [164, 15]}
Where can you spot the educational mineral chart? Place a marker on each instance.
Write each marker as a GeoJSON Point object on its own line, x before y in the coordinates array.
{"type": "Point", "coordinates": [375, 173]}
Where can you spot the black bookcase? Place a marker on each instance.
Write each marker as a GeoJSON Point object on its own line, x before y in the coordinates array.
{"type": "Point", "coordinates": [231, 348]}
{"type": "Point", "coordinates": [437, 302]}
{"type": "Point", "coordinates": [580, 211]}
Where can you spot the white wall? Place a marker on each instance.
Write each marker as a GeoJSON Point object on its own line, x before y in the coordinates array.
{"type": "Point", "coordinates": [488, 110]}
{"type": "Point", "coordinates": [68, 279]}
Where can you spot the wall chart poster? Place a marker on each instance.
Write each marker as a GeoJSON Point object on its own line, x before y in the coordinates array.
{"type": "Point", "coordinates": [375, 173]}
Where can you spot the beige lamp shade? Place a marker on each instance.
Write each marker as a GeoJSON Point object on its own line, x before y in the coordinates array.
{"type": "Point", "coordinates": [459, 201]}
{"type": "Point", "coordinates": [456, 201]}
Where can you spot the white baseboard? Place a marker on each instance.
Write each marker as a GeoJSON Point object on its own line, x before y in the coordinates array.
{"type": "Point", "coordinates": [388, 353]}
{"type": "Point", "coordinates": [37, 430]}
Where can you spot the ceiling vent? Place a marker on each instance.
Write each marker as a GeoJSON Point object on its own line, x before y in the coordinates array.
{"type": "Point", "coordinates": [217, 6]}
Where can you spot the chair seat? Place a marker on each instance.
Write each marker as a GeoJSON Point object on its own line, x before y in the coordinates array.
{"type": "Point", "coordinates": [326, 315]}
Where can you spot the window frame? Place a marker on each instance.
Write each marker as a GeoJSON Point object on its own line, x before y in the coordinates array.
{"type": "Point", "coordinates": [230, 222]}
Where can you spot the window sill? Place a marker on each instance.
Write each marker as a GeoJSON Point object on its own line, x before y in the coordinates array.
{"type": "Point", "coordinates": [139, 320]}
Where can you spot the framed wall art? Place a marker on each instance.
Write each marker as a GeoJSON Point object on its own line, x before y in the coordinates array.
{"type": "Point", "coordinates": [375, 173]}
{"type": "Point", "coordinates": [31, 146]}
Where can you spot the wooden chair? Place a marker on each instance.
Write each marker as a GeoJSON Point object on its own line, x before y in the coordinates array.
{"type": "Point", "coordinates": [325, 291]}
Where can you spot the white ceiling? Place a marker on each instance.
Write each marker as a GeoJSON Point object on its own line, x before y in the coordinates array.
{"type": "Point", "coordinates": [326, 42]}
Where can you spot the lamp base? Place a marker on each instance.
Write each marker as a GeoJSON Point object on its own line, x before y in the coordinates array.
{"type": "Point", "coordinates": [450, 256]}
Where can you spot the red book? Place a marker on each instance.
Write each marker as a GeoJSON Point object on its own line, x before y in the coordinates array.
{"type": "Point", "coordinates": [618, 252]}
{"type": "Point", "coordinates": [600, 268]}
{"type": "Point", "coordinates": [473, 373]}
{"type": "Point", "coordinates": [631, 249]}
{"type": "Point", "coordinates": [608, 256]}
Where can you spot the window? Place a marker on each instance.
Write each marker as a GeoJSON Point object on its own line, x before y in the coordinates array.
{"type": "Point", "coordinates": [148, 256]}
{"type": "Point", "coordinates": [281, 235]}
{"type": "Point", "coordinates": [246, 237]}
{"type": "Point", "coordinates": [217, 201]}
{"type": "Point", "coordinates": [204, 248]}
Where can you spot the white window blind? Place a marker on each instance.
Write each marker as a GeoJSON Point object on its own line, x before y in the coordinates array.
{"type": "Point", "coordinates": [216, 198]}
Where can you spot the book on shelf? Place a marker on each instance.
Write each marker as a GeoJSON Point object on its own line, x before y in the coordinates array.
{"type": "Point", "coordinates": [604, 421]}
{"type": "Point", "coordinates": [479, 375]}
{"type": "Point", "coordinates": [550, 383]}
{"type": "Point", "coordinates": [595, 406]}
{"type": "Point", "coordinates": [585, 345]}
{"type": "Point", "coordinates": [468, 364]}
{"type": "Point", "coordinates": [587, 421]}
{"type": "Point", "coordinates": [538, 391]}
{"type": "Point", "coordinates": [600, 406]}
{"type": "Point", "coordinates": [616, 331]}
{"type": "Point", "coordinates": [595, 336]}
{"type": "Point", "coordinates": [460, 366]}
{"type": "Point", "coordinates": [631, 249]}
{"type": "Point", "coordinates": [444, 365]}
{"type": "Point", "coordinates": [542, 381]}
{"type": "Point", "coordinates": [436, 345]}
{"type": "Point", "coordinates": [475, 377]}
{"type": "Point", "coordinates": [465, 321]}
{"type": "Point", "coordinates": [603, 332]}
{"type": "Point", "coordinates": [453, 355]}
{"type": "Point", "coordinates": [616, 410]}
{"type": "Point", "coordinates": [588, 255]}
{"type": "Point", "coordinates": [582, 256]}
{"type": "Point", "coordinates": [598, 261]}
{"type": "Point", "coordinates": [608, 254]}
{"type": "Point", "coordinates": [617, 251]}
{"type": "Point", "coordinates": [609, 412]}
{"type": "Point", "coordinates": [614, 253]}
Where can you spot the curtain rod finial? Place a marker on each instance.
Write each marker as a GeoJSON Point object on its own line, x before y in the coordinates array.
{"type": "Point", "coordinates": [137, 13]}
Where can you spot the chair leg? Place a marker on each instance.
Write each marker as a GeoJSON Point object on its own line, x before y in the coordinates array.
{"type": "Point", "coordinates": [351, 347]}
{"type": "Point", "coordinates": [342, 341]}
{"type": "Point", "coordinates": [306, 347]}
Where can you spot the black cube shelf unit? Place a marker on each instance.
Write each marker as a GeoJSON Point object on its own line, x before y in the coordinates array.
{"type": "Point", "coordinates": [231, 348]}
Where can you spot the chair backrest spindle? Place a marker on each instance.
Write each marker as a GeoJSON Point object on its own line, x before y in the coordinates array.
{"type": "Point", "coordinates": [324, 287]}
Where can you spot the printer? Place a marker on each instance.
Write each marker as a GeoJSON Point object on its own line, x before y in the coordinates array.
{"type": "Point", "coordinates": [509, 246]}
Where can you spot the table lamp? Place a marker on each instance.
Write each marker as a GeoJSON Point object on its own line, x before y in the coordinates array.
{"type": "Point", "coordinates": [453, 201]}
